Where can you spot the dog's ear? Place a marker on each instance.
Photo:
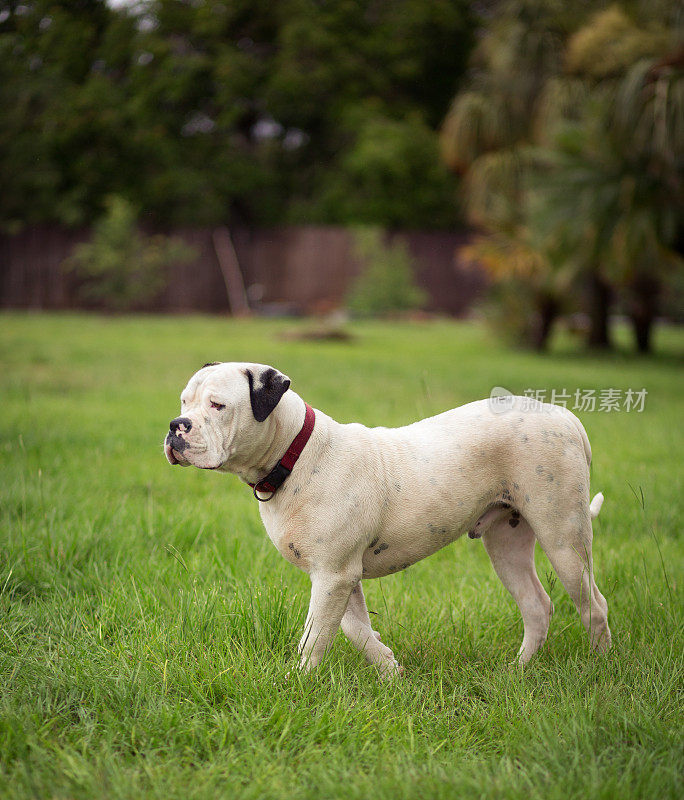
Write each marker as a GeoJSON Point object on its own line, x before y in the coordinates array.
{"type": "Point", "coordinates": [266, 387]}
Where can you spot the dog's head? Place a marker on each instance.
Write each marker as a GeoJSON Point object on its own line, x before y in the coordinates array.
{"type": "Point", "coordinates": [223, 410]}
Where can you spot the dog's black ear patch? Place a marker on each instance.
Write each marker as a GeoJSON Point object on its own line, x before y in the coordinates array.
{"type": "Point", "coordinates": [211, 364]}
{"type": "Point", "coordinates": [265, 391]}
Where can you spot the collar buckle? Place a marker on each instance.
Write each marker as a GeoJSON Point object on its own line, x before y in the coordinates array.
{"type": "Point", "coordinates": [272, 482]}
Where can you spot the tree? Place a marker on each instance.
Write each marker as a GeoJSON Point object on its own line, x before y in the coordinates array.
{"type": "Point", "coordinates": [63, 131]}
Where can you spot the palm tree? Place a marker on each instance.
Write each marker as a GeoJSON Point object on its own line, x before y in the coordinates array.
{"type": "Point", "coordinates": [648, 116]}
{"type": "Point", "coordinates": [612, 183]}
{"type": "Point", "coordinates": [583, 116]}
{"type": "Point", "coordinates": [486, 136]}
{"type": "Point", "coordinates": [535, 273]}
{"type": "Point", "coordinates": [620, 185]}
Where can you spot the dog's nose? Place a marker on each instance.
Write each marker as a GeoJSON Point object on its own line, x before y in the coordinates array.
{"type": "Point", "coordinates": [180, 423]}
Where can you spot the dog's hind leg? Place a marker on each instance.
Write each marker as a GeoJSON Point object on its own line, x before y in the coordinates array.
{"type": "Point", "coordinates": [567, 544]}
{"type": "Point", "coordinates": [356, 626]}
{"type": "Point", "coordinates": [510, 545]}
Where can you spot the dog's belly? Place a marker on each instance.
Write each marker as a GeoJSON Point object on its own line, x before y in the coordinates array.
{"type": "Point", "coordinates": [390, 554]}
{"type": "Point", "coordinates": [410, 535]}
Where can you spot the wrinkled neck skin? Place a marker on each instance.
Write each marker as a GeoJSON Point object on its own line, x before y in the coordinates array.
{"type": "Point", "coordinates": [257, 457]}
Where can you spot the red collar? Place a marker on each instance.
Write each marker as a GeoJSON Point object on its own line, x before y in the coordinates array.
{"type": "Point", "coordinates": [276, 477]}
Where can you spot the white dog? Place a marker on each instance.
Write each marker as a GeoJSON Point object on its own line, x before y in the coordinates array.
{"type": "Point", "coordinates": [346, 502]}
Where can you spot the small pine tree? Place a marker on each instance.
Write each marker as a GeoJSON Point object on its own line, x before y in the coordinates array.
{"type": "Point", "coordinates": [121, 267]}
{"type": "Point", "coordinates": [387, 283]}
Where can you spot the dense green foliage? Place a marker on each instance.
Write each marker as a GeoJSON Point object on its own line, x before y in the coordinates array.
{"type": "Point", "coordinates": [147, 625]}
{"type": "Point", "coordinates": [229, 111]}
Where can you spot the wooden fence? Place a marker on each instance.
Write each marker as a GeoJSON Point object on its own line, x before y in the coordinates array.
{"type": "Point", "coordinates": [291, 269]}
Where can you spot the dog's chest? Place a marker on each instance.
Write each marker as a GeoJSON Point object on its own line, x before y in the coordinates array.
{"type": "Point", "coordinates": [291, 540]}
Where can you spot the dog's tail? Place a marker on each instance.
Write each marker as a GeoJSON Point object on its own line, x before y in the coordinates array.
{"type": "Point", "coordinates": [595, 505]}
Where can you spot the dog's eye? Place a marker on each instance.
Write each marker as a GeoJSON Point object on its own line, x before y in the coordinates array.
{"type": "Point", "coordinates": [218, 406]}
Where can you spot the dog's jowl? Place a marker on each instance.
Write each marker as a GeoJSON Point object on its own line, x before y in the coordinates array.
{"type": "Point", "coordinates": [346, 502]}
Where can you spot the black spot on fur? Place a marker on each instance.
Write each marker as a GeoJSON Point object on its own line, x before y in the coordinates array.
{"type": "Point", "coordinates": [212, 364]}
{"type": "Point", "coordinates": [514, 522]}
{"type": "Point", "coordinates": [296, 552]}
{"type": "Point", "coordinates": [374, 542]}
{"type": "Point", "coordinates": [436, 528]}
{"type": "Point", "coordinates": [382, 547]}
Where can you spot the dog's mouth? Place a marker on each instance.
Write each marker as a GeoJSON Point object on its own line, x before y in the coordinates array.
{"type": "Point", "coordinates": [174, 449]}
{"type": "Point", "coordinates": [173, 456]}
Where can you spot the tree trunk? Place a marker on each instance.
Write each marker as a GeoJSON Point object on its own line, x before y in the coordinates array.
{"type": "Point", "coordinates": [547, 310]}
{"type": "Point", "coordinates": [643, 328]}
{"type": "Point", "coordinates": [645, 294]}
{"type": "Point", "coordinates": [599, 334]}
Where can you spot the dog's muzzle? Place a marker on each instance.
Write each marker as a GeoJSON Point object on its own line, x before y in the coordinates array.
{"type": "Point", "coordinates": [175, 444]}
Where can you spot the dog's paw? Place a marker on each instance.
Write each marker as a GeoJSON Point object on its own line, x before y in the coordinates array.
{"type": "Point", "coordinates": [390, 670]}
{"type": "Point", "coordinates": [305, 665]}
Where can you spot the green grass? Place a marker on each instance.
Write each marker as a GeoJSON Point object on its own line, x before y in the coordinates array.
{"type": "Point", "coordinates": [147, 625]}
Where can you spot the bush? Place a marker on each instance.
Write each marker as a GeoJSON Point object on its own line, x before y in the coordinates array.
{"type": "Point", "coordinates": [121, 267]}
{"type": "Point", "coordinates": [387, 283]}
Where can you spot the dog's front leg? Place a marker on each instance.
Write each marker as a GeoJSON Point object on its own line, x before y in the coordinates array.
{"type": "Point", "coordinates": [329, 597]}
{"type": "Point", "coordinates": [356, 626]}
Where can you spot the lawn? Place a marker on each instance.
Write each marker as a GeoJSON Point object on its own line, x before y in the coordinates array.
{"type": "Point", "coordinates": [147, 624]}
